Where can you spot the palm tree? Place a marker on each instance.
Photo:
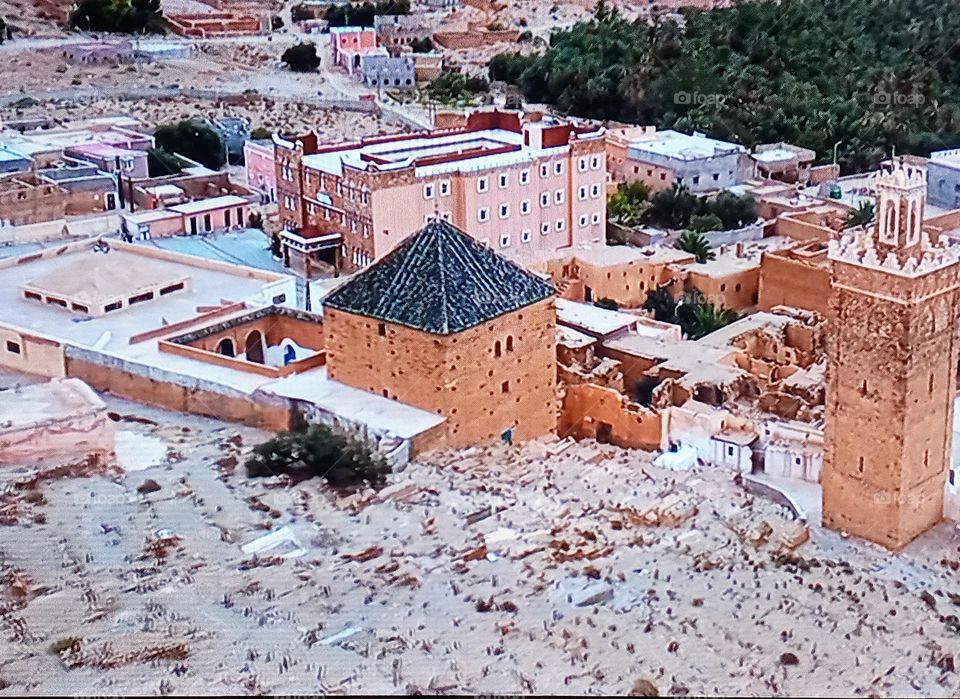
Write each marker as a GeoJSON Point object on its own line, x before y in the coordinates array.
{"type": "Point", "coordinates": [863, 215]}
{"type": "Point", "coordinates": [697, 245]}
{"type": "Point", "coordinates": [662, 304]}
{"type": "Point", "coordinates": [708, 317]}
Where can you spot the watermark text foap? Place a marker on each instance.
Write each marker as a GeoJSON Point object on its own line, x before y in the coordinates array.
{"type": "Point", "coordinates": [697, 99]}
{"type": "Point", "coordinates": [897, 99]}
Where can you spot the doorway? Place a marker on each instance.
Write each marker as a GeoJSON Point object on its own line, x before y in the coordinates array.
{"type": "Point", "coordinates": [254, 347]}
{"type": "Point", "coordinates": [226, 347]}
{"type": "Point", "coordinates": [604, 432]}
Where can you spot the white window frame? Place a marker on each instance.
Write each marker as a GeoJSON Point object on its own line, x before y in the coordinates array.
{"type": "Point", "coordinates": [582, 164]}
{"type": "Point", "coordinates": [503, 180]}
{"type": "Point", "coordinates": [483, 214]}
{"type": "Point", "coordinates": [595, 218]}
{"type": "Point", "coordinates": [444, 188]}
{"type": "Point", "coordinates": [558, 167]}
{"type": "Point", "coordinates": [525, 235]}
{"type": "Point", "coordinates": [582, 193]}
{"type": "Point", "coordinates": [524, 177]}
{"type": "Point", "coordinates": [428, 191]}
{"type": "Point", "coordinates": [595, 162]}
{"type": "Point", "coordinates": [525, 207]}
{"type": "Point", "coordinates": [595, 191]}
{"type": "Point", "coordinates": [483, 184]}
{"type": "Point", "coordinates": [504, 211]}
{"type": "Point", "coordinates": [545, 228]}
{"type": "Point", "coordinates": [560, 224]}
{"type": "Point", "coordinates": [544, 200]}
{"type": "Point", "coordinates": [583, 220]}
{"type": "Point", "coordinates": [558, 196]}
{"type": "Point", "coordinates": [544, 170]}
{"type": "Point", "coordinates": [505, 240]}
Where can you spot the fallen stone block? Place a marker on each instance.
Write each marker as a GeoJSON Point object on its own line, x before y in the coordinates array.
{"type": "Point", "coordinates": [595, 593]}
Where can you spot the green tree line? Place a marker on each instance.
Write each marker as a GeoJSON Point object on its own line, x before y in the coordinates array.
{"type": "Point", "coordinates": [870, 74]}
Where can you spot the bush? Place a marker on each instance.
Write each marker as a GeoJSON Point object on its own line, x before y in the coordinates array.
{"type": "Point", "coordinates": [628, 204]}
{"type": "Point", "coordinates": [125, 16]}
{"type": "Point", "coordinates": [320, 452]}
{"type": "Point", "coordinates": [704, 223]}
{"type": "Point", "coordinates": [192, 140]}
{"type": "Point", "coordinates": [300, 13]}
{"type": "Point", "coordinates": [450, 86]}
{"type": "Point", "coordinates": [301, 58]}
{"type": "Point", "coordinates": [508, 67]}
{"type": "Point", "coordinates": [260, 133]}
{"type": "Point", "coordinates": [607, 303]}
{"type": "Point", "coordinates": [160, 163]}
{"type": "Point", "coordinates": [357, 15]}
{"type": "Point", "coordinates": [424, 45]}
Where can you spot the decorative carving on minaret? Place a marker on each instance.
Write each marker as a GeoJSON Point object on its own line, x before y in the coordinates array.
{"type": "Point", "coordinates": [896, 242]}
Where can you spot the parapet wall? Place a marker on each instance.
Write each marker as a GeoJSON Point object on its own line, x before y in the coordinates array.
{"type": "Point", "coordinates": [185, 394]}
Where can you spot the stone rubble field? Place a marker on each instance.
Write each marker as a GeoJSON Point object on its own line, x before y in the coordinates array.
{"type": "Point", "coordinates": [549, 568]}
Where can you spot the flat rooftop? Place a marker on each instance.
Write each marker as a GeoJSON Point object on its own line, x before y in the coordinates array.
{"type": "Point", "coordinates": [591, 319]}
{"type": "Point", "coordinates": [97, 279]}
{"type": "Point", "coordinates": [376, 412]}
{"type": "Point", "coordinates": [204, 205]}
{"type": "Point", "coordinates": [680, 146]}
{"type": "Point", "coordinates": [78, 265]}
{"type": "Point", "coordinates": [405, 152]}
{"type": "Point", "coordinates": [761, 320]}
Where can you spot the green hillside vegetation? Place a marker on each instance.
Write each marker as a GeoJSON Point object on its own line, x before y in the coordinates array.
{"type": "Point", "coordinates": [872, 74]}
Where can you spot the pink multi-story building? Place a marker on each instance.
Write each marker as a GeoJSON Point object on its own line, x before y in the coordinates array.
{"type": "Point", "coordinates": [521, 185]}
{"type": "Point", "coordinates": [349, 44]}
{"type": "Point", "coordinates": [261, 169]}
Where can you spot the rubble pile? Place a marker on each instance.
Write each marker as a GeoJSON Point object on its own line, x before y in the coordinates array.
{"type": "Point", "coordinates": [552, 567]}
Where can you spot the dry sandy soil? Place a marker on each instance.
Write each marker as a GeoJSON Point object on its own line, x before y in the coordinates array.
{"type": "Point", "coordinates": [536, 569]}
{"type": "Point", "coordinates": [280, 116]}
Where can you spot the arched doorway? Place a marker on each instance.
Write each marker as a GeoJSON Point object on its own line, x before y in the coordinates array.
{"type": "Point", "coordinates": [254, 347]}
{"type": "Point", "coordinates": [226, 347]}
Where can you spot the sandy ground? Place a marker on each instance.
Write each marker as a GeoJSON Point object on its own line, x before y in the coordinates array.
{"type": "Point", "coordinates": [500, 570]}
{"type": "Point", "coordinates": [282, 116]}
{"type": "Point", "coordinates": [23, 14]}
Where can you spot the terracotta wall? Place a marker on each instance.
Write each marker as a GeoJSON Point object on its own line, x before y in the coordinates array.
{"type": "Point", "coordinates": [31, 354]}
{"type": "Point", "coordinates": [274, 329]}
{"type": "Point", "coordinates": [474, 39]}
{"type": "Point", "coordinates": [163, 393]}
{"type": "Point", "coordinates": [586, 406]}
{"type": "Point", "coordinates": [458, 376]}
{"type": "Point", "coordinates": [22, 204]}
{"type": "Point", "coordinates": [891, 375]}
{"type": "Point", "coordinates": [788, 282]}
{"type": "Point", "coordinates": [738, 290]}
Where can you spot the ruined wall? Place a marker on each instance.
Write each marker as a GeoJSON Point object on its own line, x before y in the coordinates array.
{"type": "Point", "coordinates": [586, 407]}
{"type": "Point", "coordinates": [175, 392]}
{"type": "Point", "coordinates": [474, 38]}
{"type": "Point", "coordinates": [24, 204]}
{"type": "Point", "coordinates": [459, 376]}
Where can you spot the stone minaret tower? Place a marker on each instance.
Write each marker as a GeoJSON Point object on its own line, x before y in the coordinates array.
{"type": "Point", "coordinates": [891, 377]}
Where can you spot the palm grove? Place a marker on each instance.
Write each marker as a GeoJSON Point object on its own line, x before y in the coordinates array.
{"type": "Point", "coordinates": [867, 75]}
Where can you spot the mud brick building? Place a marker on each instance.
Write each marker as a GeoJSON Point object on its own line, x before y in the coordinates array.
{"type": "Point", "coordinates": [445, 324]}
{"type": "Point", "coordinates": [892, 371]}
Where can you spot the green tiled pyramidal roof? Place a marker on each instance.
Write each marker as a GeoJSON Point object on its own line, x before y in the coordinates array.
{"type": "Point", "coordinates": [441, 281]}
